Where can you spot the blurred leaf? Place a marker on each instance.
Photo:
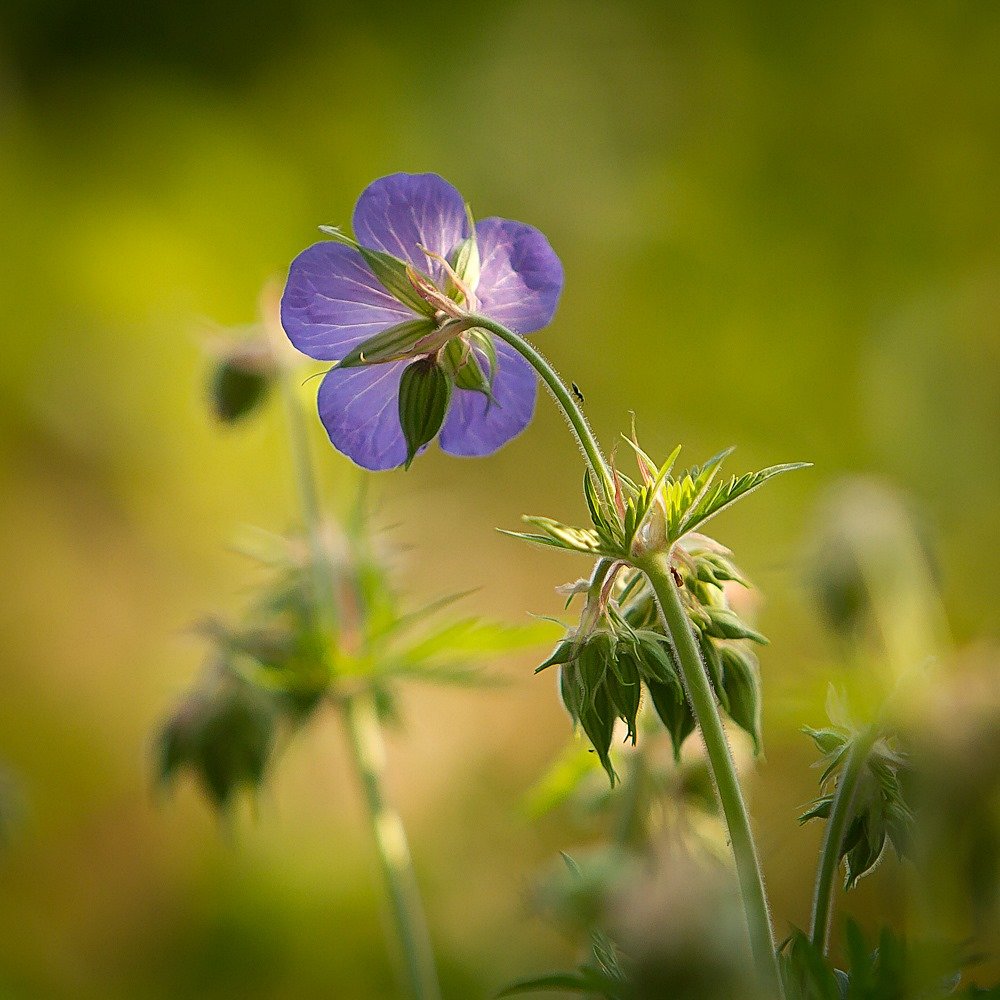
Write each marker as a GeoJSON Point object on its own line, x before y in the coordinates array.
{"type": "Point", "coordinates": [805, 971]}
{"type": "Point", "coordinates": [585, 980]}
{"type": "Point", "coordinates": [561, 780]}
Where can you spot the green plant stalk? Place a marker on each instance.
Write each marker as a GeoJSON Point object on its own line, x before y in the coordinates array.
{"type": "Point", "coordinates": [364, 736]}
{"type": "Point", "coordinates": [368, 755]}
{"type": "Point", "coordinates": [833, 840]}
{"type": "Point", "coordinates": [656, 567]}
{"type": "Point", "coordinates": [578, 422]}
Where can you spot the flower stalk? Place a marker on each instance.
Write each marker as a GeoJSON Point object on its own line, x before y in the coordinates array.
{"type": "Point", "coordinates": [563, 397]}
{"type": "Point", "coordinates": [364, 735]}
{"type": "Point", "coordinates": [656, 567]}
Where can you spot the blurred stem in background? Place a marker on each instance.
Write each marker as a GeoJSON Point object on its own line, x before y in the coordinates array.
{"type": "Point", "coordinates": [841, 816]}
{"type": "Point", "coordinates": [360, 721]}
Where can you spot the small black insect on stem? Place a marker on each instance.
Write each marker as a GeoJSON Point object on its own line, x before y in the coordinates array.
{"type": "Point", "coordinates": [576, 391]}
{"type": "Point", "coordinates": [678, 579]}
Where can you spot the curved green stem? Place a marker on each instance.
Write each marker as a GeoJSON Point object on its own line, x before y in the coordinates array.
{"type": "Point", "coordinates": [364, 735]}
{"type": "Point", "coordinates": [656, 567]}
{"type": "Point", "coordinates": [563, 397]}
{"type": "Point", "coordinates": [833, 840]}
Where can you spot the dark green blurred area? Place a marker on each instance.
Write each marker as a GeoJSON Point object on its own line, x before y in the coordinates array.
{"type": "Point", "coordinates": [779, 227]}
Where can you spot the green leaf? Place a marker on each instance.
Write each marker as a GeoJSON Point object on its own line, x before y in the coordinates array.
{"type": "Point", "coordinates": [562, 536]}
{"type": "Point", "coordinates": [424, 395]}
{"type": "Point", "coordinates": [474, 638]}
{"type": "Point", "coordinates": [561, 780]}
{"type": "Point", "coordinates": [717, 499]}
{"type": "Point", "coordinates": [389, 270]}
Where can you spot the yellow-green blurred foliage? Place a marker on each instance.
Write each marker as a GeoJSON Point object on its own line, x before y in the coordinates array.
{"type": "Point", "coordinates": [778, 222]}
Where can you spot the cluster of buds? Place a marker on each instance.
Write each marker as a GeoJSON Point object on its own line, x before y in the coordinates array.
{"type": "Point", "coordinates": [619, 649]}
{"type": "Point", "coordinates": [260, 680]}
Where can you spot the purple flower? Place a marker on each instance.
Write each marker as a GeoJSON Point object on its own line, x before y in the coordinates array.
{"type": "Point", "coordinates": [434, 267]}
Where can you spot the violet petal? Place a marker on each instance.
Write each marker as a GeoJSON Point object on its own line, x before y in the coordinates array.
{"type": "Point", "coordinates": [332, 302]}
{"type": "Point", "coordinates": [520, 278]}
{"type": "Point", "coordinates": [359, 408]}
{"type": "Point", "coordinates": [398, 212]}
{"type": "Point", "coordinates": [474, 426]}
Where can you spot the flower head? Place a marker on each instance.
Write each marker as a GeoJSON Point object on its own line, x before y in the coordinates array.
{"type": "Point", "coordinates": [398, 298]}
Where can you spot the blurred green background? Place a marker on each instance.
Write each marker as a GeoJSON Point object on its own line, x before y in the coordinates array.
{"type": "Point", "coordinates": [779, 227]}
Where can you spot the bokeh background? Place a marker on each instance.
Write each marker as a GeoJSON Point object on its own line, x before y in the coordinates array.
{"type": "Point", "coordinates": [779, 227]}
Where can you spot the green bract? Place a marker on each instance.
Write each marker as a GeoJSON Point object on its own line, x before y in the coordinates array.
{"type": "Point", "coordinates": [651, 516]}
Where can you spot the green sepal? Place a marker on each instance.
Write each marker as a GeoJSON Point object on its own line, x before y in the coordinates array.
{"type": "Point", "coordinates": [726, 624]}
{"type": "Point", "coordinates": [389, 270]}
{"type": "Point", "coordinates": [655, 658]}
{"type": "Point", "coordinates": [466, 366]}
{"type": "Point", "coordinates": [713, 664]}
{"type": "Point", "coordinates": [563, 653]}
{"type": "Point", "coordinates": [828, 740]}
{"type": "Point", "coordinates": [224, 737]}
{"type": "Point", "coordinates": [865, 851]}
{"type": "Point", "coordinates": [571, 689]}
{"type": "Point", "coordinates": [465, 261]}
{"type": "Point", "coordinates": [393, 344]}
{"type": "Point", "coordinates": [625, 689]}
{"type": "Point", "coordinates": [672, 707]}
{"type": "Point", "coordinates": [741, 682]}
{"type": "Point", "coordinates": [597, 713]}
{"type": "Point", "coordinates": [424, 395]}
{"type": "Point", "coordinates": [805, 972]}
{"type": "Point", "coordinates": [820, 809]}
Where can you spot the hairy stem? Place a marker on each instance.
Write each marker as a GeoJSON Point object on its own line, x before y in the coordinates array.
{"type": "Point", "coordinates": [833, 840]}
{"type": "Point", "coordinates": [364, 736]}
{"type": "Point", "coordinates": [656, 567]}
{"type": "Point", "coordinates": [563, 397]}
